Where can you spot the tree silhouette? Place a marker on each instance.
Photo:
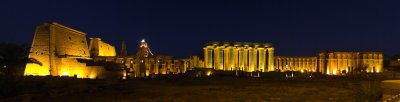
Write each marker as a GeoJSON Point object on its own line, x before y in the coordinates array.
{"type": "Point", "coordinates": [13, 58]}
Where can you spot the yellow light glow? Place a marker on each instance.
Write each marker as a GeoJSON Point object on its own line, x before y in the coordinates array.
{"type": "Point", "coordinates": [35, 69]}
{"type": "Point", "coordinates": [65, 74]}
{"type": "Point", "coordinates": [302, 71]}
{"type": "Point", "coordinates": [208, 73]}
{"type": "Point", "coordinates": [334, 72]}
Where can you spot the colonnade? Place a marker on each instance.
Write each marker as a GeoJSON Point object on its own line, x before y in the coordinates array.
{"type": "Point", "coordinates": [343, 62]}
{"type": "Point", "coordinates": [302, 64]}
{"type": "Point", "coordinates": [239, 56]}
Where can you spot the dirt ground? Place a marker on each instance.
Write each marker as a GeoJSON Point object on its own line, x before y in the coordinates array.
{"type": "Point", "coordinates": [209, 89]}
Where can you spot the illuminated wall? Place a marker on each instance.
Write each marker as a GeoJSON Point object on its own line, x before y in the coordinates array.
{"type": "Point", "coordinates": [239, 56]}
{"type": "Point", "coordinates": [289, 63]}
{"type": "Point", "coordinates": [68, 42]}
{"type": "Point", "coordinates": [142, 67]}
{"type": "Point", "coordinates": [100, 48]}
{"type": "Point", "coordinates": [336, 63]}
{"type": "Point", "coordinates": [40, 51]}
{"type": "Point", "coordinates": [57, 48]}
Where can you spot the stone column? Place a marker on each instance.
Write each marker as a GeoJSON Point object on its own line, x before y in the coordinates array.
{"type": "Point", "coordinates": [241, 59]}
{"type": "Point", "coordinates": [245, 59]}
{"type": "Point", "coordinates": [271, 59]}
{"type": "Point", "coordinates": [236, 58]}
{"type": "Point", "coordinates": [206, 61]}
{"type": "Point", "coordinates": [226, 58]}
{"type": "Point", "coordinates": [251, 61]}
{"type": "Point", "coordinates": [261, 59]}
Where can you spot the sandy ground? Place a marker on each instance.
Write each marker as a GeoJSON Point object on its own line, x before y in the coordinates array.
{"type": "Point", "coordinates": [210, 89]}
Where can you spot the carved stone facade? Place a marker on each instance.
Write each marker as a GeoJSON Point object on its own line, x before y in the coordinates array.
{"type": "Point", "coordinates": [58, 48]}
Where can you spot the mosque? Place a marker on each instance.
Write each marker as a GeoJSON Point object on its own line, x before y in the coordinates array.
{"type": "Point", "coordinates": [62, 51]}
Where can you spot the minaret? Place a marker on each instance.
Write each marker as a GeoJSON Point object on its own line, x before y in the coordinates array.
{"type": "Point", "coordinates": [124, 52]}
{"type": "Point", "coordinates": [143, 49]}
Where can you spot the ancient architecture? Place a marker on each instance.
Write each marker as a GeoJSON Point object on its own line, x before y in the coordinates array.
{"type": "Point", "coordinates": [296, 63]}
{"type": "Point", "coordinates": [244, 56]}
{"type": "Point", "coordinates": [253, 57]}
{"type": "Point", "coordinates": [58, 48]}
{"type": "Point", "coordinates": [333, 63]}
{"type": "Point", "coordinates": [336, 63]}
{"type": "Point", "coordinates": [62, 51]}
{"type": "Point", "coordinates": [100, 48]}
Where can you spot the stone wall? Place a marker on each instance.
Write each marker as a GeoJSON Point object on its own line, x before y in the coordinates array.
{"type": "Point", "coordinates": [100, 48]}
{"type": "Point", "coordinates": [57, 48]}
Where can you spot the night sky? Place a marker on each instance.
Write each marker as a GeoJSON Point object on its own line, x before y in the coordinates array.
{"type": "Point", "coordinates": [182, 28]}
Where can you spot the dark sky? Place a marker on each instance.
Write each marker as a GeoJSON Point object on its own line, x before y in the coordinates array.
{"type": "Point", "coordinates": [181, 28]}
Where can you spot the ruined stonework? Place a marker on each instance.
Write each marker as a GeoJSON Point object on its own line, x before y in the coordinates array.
{"type": "Point", "coordinates": [58, 49]}
{"type": "Point", "coordinates": [100, 48]}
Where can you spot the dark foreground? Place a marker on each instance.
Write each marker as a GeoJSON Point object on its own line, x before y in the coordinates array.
{"type": "Point", "coordinates": [179, 89]}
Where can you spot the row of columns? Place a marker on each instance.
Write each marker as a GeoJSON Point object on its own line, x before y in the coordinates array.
{"type": "Point", "coordinates": [334, 63]}
{"type": "Point", "coordinates": [247, 58]}
{"type": "Point", "coordinates": [296, 63]}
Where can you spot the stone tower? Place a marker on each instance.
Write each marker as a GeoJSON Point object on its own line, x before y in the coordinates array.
{"type": "Point", "coordinates": [57, 48]}
{"type": "Point", "coordinates": [124, 52]}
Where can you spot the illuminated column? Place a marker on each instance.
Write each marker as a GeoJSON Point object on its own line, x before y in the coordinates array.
{"type": "Point", "coordinates": [251, 59]}
{"type": "Point", "coordinates": [270, 59]}
{"type": "Point", "coordinates": [309, 65]}
{"type": "Point", "coordinates": [301, 63]}
{"type": "Point", "coordinates": [246, 59]}
{"type": "Point", "coordinates": [208, 57]}
{"type": "Point", "coordinates": [293, 62]}
{"type": "Point", "coordinates": [315, 64]}
{"type": "Point", "coordinates": [231, 58]}
{"type": "Point", "coordinates": [241, 59]}
{"type": "Point", "coordinates": [255, 60]}
{"type": "Point", "coordinates": [345, 62]}
{"type": "Point", "coordinates": [290, 63]}
{"type": "Point", "coordinates": [206, 61]}
{"type": "Point", "coordinates": [261, 59]}
{"type": "Point", "coordinates": [380, 64]}
{"type": "Point", "coordinates": [283, 65]}
{"type": "Point", "coordinates": [218, 57]}
{"type": "Point", "coordinates": [276, 62]}
{"type": "Point", "coordinates": [226, 58]}
{"type": "Point", "coordinates": [236, 58]}
{"type": "Point", "coordinates": [221, 57]}
{"type": "Point", "coordinates": [370, 62]}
